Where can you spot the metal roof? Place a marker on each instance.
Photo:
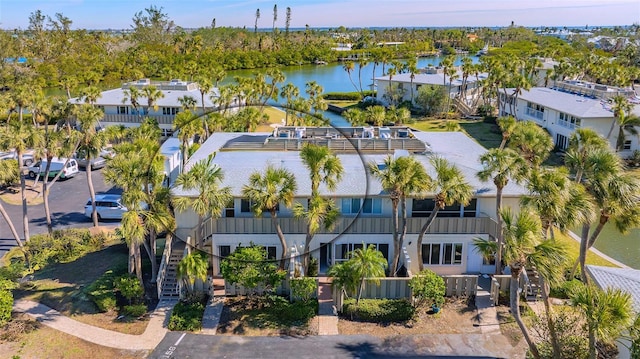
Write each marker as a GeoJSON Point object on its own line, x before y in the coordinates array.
{"type": "Point", "coordinates": [626, 279]}
{"type": "Point", "coordinates": [569, 103]}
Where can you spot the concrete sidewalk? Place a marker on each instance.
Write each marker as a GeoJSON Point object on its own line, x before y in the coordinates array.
{"type": "Point", "coordinates": [487, 314]}
{"type": "Point", "coordinates": [152, 336]}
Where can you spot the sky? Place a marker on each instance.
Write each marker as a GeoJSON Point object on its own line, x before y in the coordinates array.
{"type": "Point", "coordinates": [118, 14]}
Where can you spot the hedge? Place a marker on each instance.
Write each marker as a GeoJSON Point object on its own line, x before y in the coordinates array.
{"type": "Point", "coordinates": [186, 316]}
{"type": "Point", "coordinates": [379, 310]}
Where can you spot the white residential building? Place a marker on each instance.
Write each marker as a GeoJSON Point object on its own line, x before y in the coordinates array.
{"type": "Point", "coordinates": [568, 106]}
{"type": "Point", "coordinates": [366, 208]}
{"type": "Point", "coordinates": [118, 110]}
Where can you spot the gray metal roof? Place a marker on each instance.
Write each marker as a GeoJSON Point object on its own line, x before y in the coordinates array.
{"type": "Point", "coordinates": [170, 146]}
{"type": "Point", "coordinates": [572, 104]}
{"type": "Point", "coordinates": [431, 79]}
{"type": "Point", "coordinates": [626, 279]}
{"type": "Point", "coordinates": [114, 97]}
{"type": "Point", "coordinates": [238, 165]}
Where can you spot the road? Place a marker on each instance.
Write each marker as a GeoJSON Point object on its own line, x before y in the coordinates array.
{"type": "Point", "coordinates": [66, 200]}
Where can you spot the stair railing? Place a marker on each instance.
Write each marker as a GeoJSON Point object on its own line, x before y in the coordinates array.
{"type": "Point", "coordinates": [162, 271]}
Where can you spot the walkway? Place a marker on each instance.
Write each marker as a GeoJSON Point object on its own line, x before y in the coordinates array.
{"type": "Point", "coordinates": [327, 316]}
{"type": "Point", "coordinates": [152, 336]}
{"type": "Point", "coordinates": [487, 314]}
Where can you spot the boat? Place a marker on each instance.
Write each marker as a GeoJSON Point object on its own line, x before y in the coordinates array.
{"type": "Point", "coordinates": [319, 62]}
{"type": "Point", "coordinates": [483, 51]}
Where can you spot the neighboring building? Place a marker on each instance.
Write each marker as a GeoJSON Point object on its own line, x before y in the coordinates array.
{"type": "Point", "coordinates": [625, 279]}
{"type": "Point", "coordinates": [118, 110]}
{"type": "Point", "coordinates": [401, 84]}
{"type": "Point", "coordinates": [570, 105]}
{"type": "Point", "coordinates": [170, 149]}
{"type": "Point", "coordinates": [366, 208]}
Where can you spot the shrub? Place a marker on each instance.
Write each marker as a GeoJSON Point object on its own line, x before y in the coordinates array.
{"type": "Point", "coordinates": [6, 306]}
{"type": "Point", "coordinates": [62, 246]}
{"type": "Point", "coordinates": [428, 287]}
{"type": "Point", "coordinates": [101, 292]}
{"type": "Point", "coordinates": [379, 310]}
{"type": "Point", "coordinates": [565, 289]}
{"type": "Point", "coordinates": [134, 310]}
{"type": "Point", "coordinates": [248, 267]}
{"type": "Point", "coordinates": [303, 288]}
{"type": "Point", "coordinates": [186, 316]}
{"type": "Point", "coordinates": [312, 271]}
{"type": "Point", "coordinates": [129, 286]}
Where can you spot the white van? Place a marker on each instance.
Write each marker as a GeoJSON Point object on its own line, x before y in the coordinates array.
{"type": "Point", "coordinates": [57, 165]}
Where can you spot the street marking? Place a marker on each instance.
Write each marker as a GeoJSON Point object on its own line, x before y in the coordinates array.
{"type": "Point", "coordinates": [180, 339]}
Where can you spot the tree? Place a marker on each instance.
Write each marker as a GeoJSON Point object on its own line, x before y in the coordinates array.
{"type": "Point", "coordinates": [132, 94]}
{"type": "Point", "coordinates": [375, 115]}
{"type": "Point", "coordinates": [250, 268]}
{"type": "Point", "coordinates": [430, 98]}
{"type": "Point", "coordinates": [349, 66]}
{"type": "Point", "coordinates": [412, 66]}
{"type": "Point", "coordinates": [355, 117]}
{"type": "Point", "coordinates": [191, 267]}
{"type": "Point", "coordinates": [532, 142]}
{"type": "Point", "coordinates": [400, 178]}
{"type": "Point", "coordinates": [153, 94]}
{"type": "Point", "coordinates": [255, 27]}
{"type": "Point", "coordinates": [620, 107]}
{"type": "Point", "coordinates": [368, 264]}
{"type": "Point", "coordinates": [287, 21]}
{"type": "Point", "coordinates": [188, 127]}
{"type": "Point", "coordinates": [428, 286]}
{"type": "Point", "coordinates": [265, 192]}
{"type": "Point", "coordinates": [90, 144]}
{"type": "Point", "coordinates": [522, 247]}
{"type": "Point", "coordinates": [275, 18]}
{"type": "Point", "coordinates": [507, 125]}
{"type": "Point", "coordinates": [8, 175]}
{"type": "Point", "coordinates": [289, 91]}
{"type": "Point", "coordinates": [324, 168]}
{"type": "Point", "coordinates": [205, 178]}
{"type": "Point", "coordinates": [448, 70]}
{"type": "Point", "coordinates": [452, 188]}
{"type": "Point", "coordinates": [607, 313]}
{"type": "Point", "coordinates": [501, 165]}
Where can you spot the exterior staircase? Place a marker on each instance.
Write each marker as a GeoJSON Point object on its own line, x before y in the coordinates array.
{"type": "Point", "coordinates": [169, 288]}
{"type": "Point", "coordinates": [532, 285]}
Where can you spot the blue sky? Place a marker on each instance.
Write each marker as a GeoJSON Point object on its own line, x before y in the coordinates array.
{"type": "Point", "coordinates": [102, 14]}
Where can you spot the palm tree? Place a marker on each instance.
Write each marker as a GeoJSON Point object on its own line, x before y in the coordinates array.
{"type": "Point", "coordinates": [7, 171]}
{"type": "Point", "coordinates": [400, 178]}
{"type": "Point", "coordinates": [204, 86]}
{"type": "Point", "coordinates": [448, 70]}
{"type": "Point", "coordinates": [452, 188]}
{"type": "Point", "coordinates": [375, 114]}
{"type": "Point", "coordinates": [266, 191]}
{"type": "Point", "coordinates": [324, 168]}
{"type": "Point", "coordinates": [522, 247]}
{"type": "Point", "coordinates": [355, 117]}
{"type": "Point", "coordinates": [368, 264]}
{"type": "Point", "coordinates": [205, 178]}
{"type": "Point", "coordinates": [532, 142]}
{"type": "Point", "coordinates": [289, 91]}
{"type": "Point", "coordinates": [132, 94]}
{"type": "Point", "coordinates": [412, 67]}
{"type": "Point", "coordinates": [153, 94]}
{"type": "Point", "coordinates": [501, 165]}
{"type": "Point", "coordinates": [349, 66]}
{"type": "Point", "coordinates": [362, 62]}
{"type": "Point", "coordinates": [91, 143]}
{"type": "Point", "coordinates": [507, 125]}
{"type": "Point", "coordinates": [607, 313]}
{"type": "Point", "coordinates": [191, 267]}
{"type": "Point", "coordinates": [187, 126]}
{"type": "Point", "coordinates": [620, 107]}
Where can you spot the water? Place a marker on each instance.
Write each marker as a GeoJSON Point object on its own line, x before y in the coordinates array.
{"type": "Point", "coordinates": [333, 78]}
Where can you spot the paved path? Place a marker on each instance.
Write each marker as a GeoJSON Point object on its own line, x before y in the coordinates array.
{"type": "Point", "coordinates": [211, 316]}
{"type": "Point", "coordinates": [153, 334]}
{"type": "Point", "coordinates": [327, 317]}
{"type": "Point", "coordinates": [487, 314]}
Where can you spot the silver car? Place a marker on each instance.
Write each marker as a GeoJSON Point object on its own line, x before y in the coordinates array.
{"type": "Point", "coordinates": [96, 163]}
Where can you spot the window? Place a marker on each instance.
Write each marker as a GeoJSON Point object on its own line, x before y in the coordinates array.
{"type": "Point", "coordinates": [626, 145]}
{"type": "Point", "coordinates": [246, 206]}
{"type": "Point", "coordinates": [470, 209]}
{"type": "Point", "coordinates": [369, 205]}
{"type": "Point", "coordinates": [568, 121]}
{"type": "Point", "coordinates": [170, 110]}
{"type": "Point", "coordinates": [123, 110]}
{"type": "Point", "coordinates": [442, 253]}
{"type": "Point", "coordinates": [424, 207]}
{"type": "Point", "coordinates": [223, 252]}
{"type": "Point", "coordinates": [229, 210]}
{"type": "Point", "coordinates": [271, 252]}
{"type": "Point", "coordinates": [535, 110]}
{"type": "Point", "coordinates": [343, 250]}
{"type": "Point", "coordinates": [562, 142]}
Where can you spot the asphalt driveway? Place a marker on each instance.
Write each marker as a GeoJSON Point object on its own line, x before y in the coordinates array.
{"type": "Point", "coordinates": [66, 200]}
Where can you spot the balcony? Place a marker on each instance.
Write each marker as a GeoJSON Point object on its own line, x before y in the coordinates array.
{"type": "Point", "coordinates": [538, 115]}
{"type": "Point", "coordinates": [347, 225]}
{"type": "Point", "coordinates": [162, 119]}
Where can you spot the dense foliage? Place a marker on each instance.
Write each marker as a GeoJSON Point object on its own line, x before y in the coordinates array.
{"type": "Point", "coordinates": [186, 316]}
{"type": "Point", "coordinates": [248, 267]}
{"type": "Point", "coordinates": [379, 310]}
{"type": "Point", "coordinates": [428, 287]}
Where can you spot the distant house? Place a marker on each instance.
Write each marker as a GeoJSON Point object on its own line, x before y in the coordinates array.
{"type": "Point", "coordinates": [118, 109]}
{"type": "Point", "coordinates": [365, 207]}
{"type": "Point", "coordinates": [401, 84]}
{"type": "Point", "coordinates": [172, 153]}
{"type": "Point", "coordinates": [570, 105]}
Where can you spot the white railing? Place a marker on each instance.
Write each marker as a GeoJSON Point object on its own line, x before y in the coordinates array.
{"type": "Point", "coordinates": [534, 113]}
{"type": "Point", "coordinates": [162, 270]}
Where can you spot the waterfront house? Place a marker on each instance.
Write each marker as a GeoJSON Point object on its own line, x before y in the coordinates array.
{"type": "Point", "coordinates": [118, 109]}
{"type": "Point", "coordinates": [365, 207]}
{"type": "Point", "coordinates": [570, 105]}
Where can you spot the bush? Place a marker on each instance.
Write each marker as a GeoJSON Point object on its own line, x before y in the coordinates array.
{"type": "Point", "coordinates": [303, 288]}
{"type": "Point", "coordinates": [565, 289]}
{"type": "Point", "coordinates": [347, 96]}
{"type": "Point", "coordinates": [101, 292]}
{"type": "Point", "coordinates": [129, 286]}
{"type": "Point", "coordinates": [62, 246]}
{"type": "Point", "coordinates": [428, 287]}
{"type": "Point", "coordinates": [379, 310]}
{"type": "Point", "coordinates": [186, 316]}
{"type": "Point", "coordinates": [135, 310]}
{"type": "Point", "coordinates": [312, 271]}
{"type": "Point", "coordinates": [6, 306]}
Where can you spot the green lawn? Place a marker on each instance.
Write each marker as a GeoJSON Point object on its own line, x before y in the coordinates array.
{"type": "Point", "coordinates": [486, 134]}
{"type": "Point", "coordinates": [573, 249]}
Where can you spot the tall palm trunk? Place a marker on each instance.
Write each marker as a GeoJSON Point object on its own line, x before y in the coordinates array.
{"type": "Point", "coordinates": [45, 194]}
{"type": "Point", "coordinates": [92, 193]}
{"type": "Point", "coordinates": [423, 231]}
{"type": "Point", "coordinates": [500, 239]}
{"type": "Point", "coordinates": [307, 245]}
{"type": "Point", "coordinates": [150, 248]}
{"type": "Point", "coordinates": [138, 263]}
{"type": "Point", "coordinates": [283, 242]}
{"type": "Point", "coordinates": [396, 241]}
{"type": "Point", "coordinates": [553, 334]}
{"type": "Point", "coordinates": [584, 248]}
{"type": "Point", "coordinates": [515, 310]}
{"type": "Point", "coordinates": [23, 195]}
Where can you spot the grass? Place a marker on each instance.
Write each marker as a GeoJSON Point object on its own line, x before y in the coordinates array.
{"type": "Point", "coordinates": [486, 134]}
{"type": "Point", "coordinates": [573, 249]}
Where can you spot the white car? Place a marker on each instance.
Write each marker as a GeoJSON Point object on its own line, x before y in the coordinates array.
{"type": "Point", "coordinates": [108, 206]}
{"type": "Point", "coordinates": [68, 168]}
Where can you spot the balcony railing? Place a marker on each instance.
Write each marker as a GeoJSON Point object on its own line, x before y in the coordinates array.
{"type": "Point", "coordinates": [346, 225]}
{"type": "Point", "coordinates": [162, 119]}
{"type": "Point", "coordinates": [534, 113]}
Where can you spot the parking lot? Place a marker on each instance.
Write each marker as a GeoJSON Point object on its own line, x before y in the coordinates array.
{"type": "Point", "coordinates": [66, 201]}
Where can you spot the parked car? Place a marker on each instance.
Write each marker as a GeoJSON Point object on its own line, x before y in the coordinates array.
{"type": "Point", "coordinates": [108, 206]}
{"type": "Point", "coordinates": [68, 168]}
{"type": "Point", "coordinates": [96, 163]}
{"type": "Point", "coordinates": [27, 159]}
